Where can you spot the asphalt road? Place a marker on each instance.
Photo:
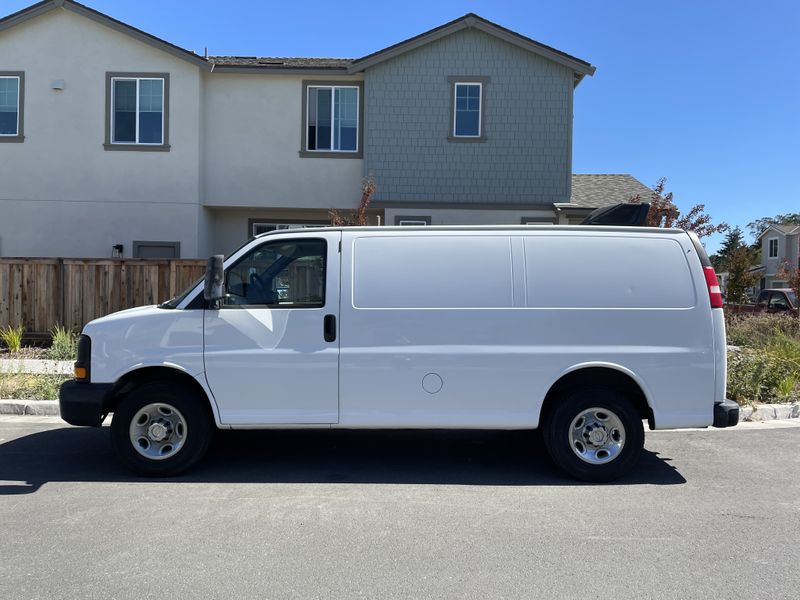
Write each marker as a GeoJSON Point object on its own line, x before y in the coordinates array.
{"type": "Point", "coordinates": [708, 514]}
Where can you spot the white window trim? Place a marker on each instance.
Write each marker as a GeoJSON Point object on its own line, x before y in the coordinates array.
{"type": "Point", "coordinates": [111, 112]}
{"type": "Point", "coordinates": [455, 107]}
{"type": "Point", "coordinates": [19, 100]}
{"type": "Point", "coordinates": [280, 226]}
{"type": "Point", "coordinates": [412, 223]}
{"type": "Point", "coordinates": [333, 96]}
{"type": "Point", "coordinates": [769, 247]}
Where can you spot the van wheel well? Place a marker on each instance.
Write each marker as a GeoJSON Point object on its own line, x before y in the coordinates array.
{"type": "Point", "coordinates": [593, 377]}
{"type": "Point", "coordinates": [131, 380]}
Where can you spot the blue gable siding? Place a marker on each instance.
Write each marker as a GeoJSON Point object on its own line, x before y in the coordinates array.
{"type": "Point", "coordinates": [526, 157]}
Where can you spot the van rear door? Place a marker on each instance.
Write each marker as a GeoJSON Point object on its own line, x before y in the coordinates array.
{"type": "Point", "coordinates": [272, 350]}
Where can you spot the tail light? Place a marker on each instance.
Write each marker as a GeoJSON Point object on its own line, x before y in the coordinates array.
{"type": "Point", "coordinates": [714, 293]}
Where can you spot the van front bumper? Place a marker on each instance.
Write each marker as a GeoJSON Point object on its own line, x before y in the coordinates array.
{"type": "Point", "coordinates": [726, 413]}
{"type": "Point", "coordinates": [82, 403]}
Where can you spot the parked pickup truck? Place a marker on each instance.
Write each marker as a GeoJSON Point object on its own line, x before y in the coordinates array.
{"type": "Point", "coordinates": [771, 300]}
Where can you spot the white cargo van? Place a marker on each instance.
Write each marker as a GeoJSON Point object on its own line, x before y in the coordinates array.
{"type": "Point", "coordinates": [582, 331]}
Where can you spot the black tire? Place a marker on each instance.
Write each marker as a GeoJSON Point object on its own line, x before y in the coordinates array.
{"type": "Point", "coordinates": [192, 419]}
{"type": "Point", "coordinates": [559, 442]}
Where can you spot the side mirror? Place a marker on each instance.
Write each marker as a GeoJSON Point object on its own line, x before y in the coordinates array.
{"type": "Point", "coordinates": [214, 289]}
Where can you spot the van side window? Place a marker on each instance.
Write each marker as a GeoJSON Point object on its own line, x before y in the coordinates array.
{"type": "Point", "coordinates": [279, 274]}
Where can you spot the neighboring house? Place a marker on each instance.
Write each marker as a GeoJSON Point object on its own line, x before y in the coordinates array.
{"type": "Point", "coordinates": [110, 136]}
{"type": "Point", "coordinates": [779, 244]}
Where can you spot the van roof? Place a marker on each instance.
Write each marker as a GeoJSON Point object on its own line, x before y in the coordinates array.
{"type": "Point", "coordinates": [537, 227]}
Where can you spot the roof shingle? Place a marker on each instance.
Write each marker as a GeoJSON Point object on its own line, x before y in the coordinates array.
{"type": "Point", "coordinates": [276, 62]}
{"type": "Point", "coordinates": [598, 190]}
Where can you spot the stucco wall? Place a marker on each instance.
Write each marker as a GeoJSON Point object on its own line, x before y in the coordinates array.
{"type": "Point", "coordinates": [528, 124]}
{"type": "Point", "coordinates": [89, 229]}
{"type": "Point", "coordinates": [59, 186]}
{"type": "Point", "coordinates": [252, 125]}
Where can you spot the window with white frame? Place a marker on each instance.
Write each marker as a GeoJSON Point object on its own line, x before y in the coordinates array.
{"type": "Point", "coordinates": [467, 113]}
{"type": "Point", "coordinates": [772, 248]}
{"type": "Point", "coordinates": [10, 105]}
{"type": "Point", "coordinates": [332, 115]}
{"type": "Point", "coordinates": [138, 110]}
{"type": "Point", "coordinates": [258, 227]}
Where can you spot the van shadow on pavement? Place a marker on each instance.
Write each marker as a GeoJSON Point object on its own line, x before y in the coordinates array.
{"type": "Point", "coordinates": [441, 457]}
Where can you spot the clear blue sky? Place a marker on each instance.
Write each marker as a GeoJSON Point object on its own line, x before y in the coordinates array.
{"type": "Point", "coordinates": [704, 93]}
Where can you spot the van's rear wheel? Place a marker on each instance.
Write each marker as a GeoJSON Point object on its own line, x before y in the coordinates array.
{"type": "Point", "coordinates": [594, 434]}
{"type": "Point", "coordinates": [160, 429]}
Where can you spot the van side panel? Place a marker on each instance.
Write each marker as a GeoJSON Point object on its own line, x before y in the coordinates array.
{"type": "Point", "coordinates": [632, 300]}
{"type": "Point", "coordinates": [444, 333]}
{"type": "Point", "coordinates": [430, 333]}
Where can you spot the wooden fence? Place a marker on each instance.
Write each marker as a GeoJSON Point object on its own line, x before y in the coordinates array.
{"type": "Point", "coordinates": [39, 293]}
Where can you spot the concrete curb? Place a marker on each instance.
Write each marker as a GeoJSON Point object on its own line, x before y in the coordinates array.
{"type": "Point", "coordinates": [762, 412]}
{"type": "Point", "coordinates": [41, 408]}
{"type": "Point", "coordinates": [769, 412]}
{"type": "Point", "coordinates": [36, 366]}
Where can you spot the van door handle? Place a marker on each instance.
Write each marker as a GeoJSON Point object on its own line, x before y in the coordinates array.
{"type": "Point", "coordinates": [329, 328]}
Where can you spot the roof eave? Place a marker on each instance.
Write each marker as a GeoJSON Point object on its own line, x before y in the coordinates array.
{"type": "Point", "coordinates": [580, 68]}
{"type": "Point", "coordinates": [46, 6]}
{"type": "Point", "coordinates": [773, 229]}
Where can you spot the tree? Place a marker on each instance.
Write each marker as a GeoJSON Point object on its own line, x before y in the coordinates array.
{"type": "Point", "coordinates": [740, 277]}
{"type": "Point", "coordinates": [664, 213]}
{"type": "Point", "coordinates": [734, 240]}
{"type": "Point", "coordinates": [759, 226]}
{"type": "Point", "coordinates": [359, 217]}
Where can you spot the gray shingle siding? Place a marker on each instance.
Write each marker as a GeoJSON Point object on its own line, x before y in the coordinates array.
{"type": "Point", "coordinates": [528, 101]}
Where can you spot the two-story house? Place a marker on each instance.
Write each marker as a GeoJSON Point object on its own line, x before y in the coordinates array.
{"type": "Point", "coordinates": [780, 245]}
{"type": "Point", "coordinates": [113, 138]}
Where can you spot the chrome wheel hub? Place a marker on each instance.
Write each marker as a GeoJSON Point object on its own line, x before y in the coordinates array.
{"type": "Point", "coordinates": [158, 431]}
{"type": "Point", "coordinates": [597, 435]}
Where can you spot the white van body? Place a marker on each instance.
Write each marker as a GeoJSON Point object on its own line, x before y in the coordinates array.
{"type": "Point", "coordinates": [442, 327]}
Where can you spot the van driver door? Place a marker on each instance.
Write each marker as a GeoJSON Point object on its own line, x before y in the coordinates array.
{"type": "Point", "coordinates": [271, 350]}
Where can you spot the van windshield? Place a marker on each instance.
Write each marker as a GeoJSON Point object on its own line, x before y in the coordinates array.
{"type": "Point", "coordinates": [174, 302]}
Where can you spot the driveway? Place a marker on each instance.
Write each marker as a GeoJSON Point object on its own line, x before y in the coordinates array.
{"type": "Point", "coordinates": [312, 514]}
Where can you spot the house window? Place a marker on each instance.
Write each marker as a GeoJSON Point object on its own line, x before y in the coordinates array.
{"type": "Point", "coordinates": [332, 117]}
{"type": "Point", "coordinates": [772, 251]}
{"type": "Point", "coordinates": [259, 226]}
{"type": "Point", "coordinates": [467, 118]}
{"type": "Point", "coordinates": [138, 107]}
{"type": "Point", "coordinates": [468, 108]}
{"type": "Point", "coordinates": [12, 84]}
{"type": "Point", "coordinates": [413, 221]}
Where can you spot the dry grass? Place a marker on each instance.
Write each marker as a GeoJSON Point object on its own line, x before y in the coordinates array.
{"type": "Point", "coordinates": [30, 386]}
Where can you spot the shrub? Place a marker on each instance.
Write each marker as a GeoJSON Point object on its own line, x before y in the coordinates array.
{"type": "Point", "coordinates": [65, 344]}
{"type": "Point", "coordinates": [29, 386]}
{"type": "Point", "coordinates": [12, 337]}
{"type": "Point", "coordinates": [760, 330]}
{"type": "Point", "coordinates": [760, 375]}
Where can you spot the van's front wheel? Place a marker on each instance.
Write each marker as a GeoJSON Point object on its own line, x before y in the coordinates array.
{"type": "Point", "coordinates": [160, 429]}
{"type": "Point", "coordinates": [594, 434]}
